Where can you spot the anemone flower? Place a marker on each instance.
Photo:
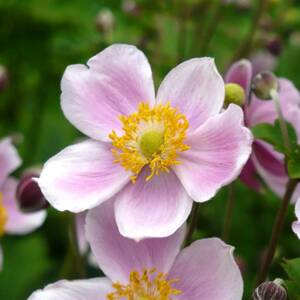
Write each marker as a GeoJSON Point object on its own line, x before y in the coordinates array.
{"type": "Point", "coordinates": [296, 224]}
{"type": "Point", "coordinates": [153, 269]}
{"type": "Point", "coordinates": [264, 160]}
{"type": "Point", "coordinates": [12, 219]}
{"type": "Point", "coordinates": [152, 155]}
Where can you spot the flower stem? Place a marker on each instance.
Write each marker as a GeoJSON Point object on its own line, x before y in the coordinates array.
{"type": "Point", "coordinates": [282, 124]}
{"type": "Point", "coordinates": [245, 47]}
{"type": "Point", "coordinates": [229, 212]}
{"type": "Point", "coordinates": [193, 224]}
{"type": "Point", "coordinates": [277, 228]}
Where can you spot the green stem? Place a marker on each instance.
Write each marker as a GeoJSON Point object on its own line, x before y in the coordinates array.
{"type": "Point", "coordinates": [229, 212]}
{"type": "Point", "coordinates": [277, 228]}
{"type": "Point", "coordinates": [246, 46]}
{"type": "Point", "coordinates": [193, 224]}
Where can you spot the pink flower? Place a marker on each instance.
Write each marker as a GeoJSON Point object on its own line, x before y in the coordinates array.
{"type": "Point", "coordinates": [139, 270]}
{"type": "Point", "coordinates": [296, 224]}
{"type": "Point", "coordinates": [264, 160]}
{"type": "Point", "coordinates": [151, 155]}
{"type": "Point", "coordinates": [12, 219]}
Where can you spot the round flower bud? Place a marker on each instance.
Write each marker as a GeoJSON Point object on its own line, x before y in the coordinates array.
{"type": "Point", "coordinates": [29, 195]}
{"type": "Point", "coordinates": [263, 84]}
{"type": "Point", "coordinates": [234, 93]}
{"type": "Point", "coordinates": [105, 21]}
{"type": "Point", "coordinates": [269, 291]}
{"type": "Point", "coordinates": [3, 78]}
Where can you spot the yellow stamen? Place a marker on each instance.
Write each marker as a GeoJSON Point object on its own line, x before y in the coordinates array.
{"type": "Point", "coordinates": [145, 286]}
{"type": "Point", "coordinates": [153, 137]}
{"type": "Point", "coordinates": [3, 216]}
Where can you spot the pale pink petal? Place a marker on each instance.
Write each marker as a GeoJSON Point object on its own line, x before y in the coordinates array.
{"type": "Point", "coordinates": [117, 256]}
{"type": "Point", "coordinates": [114, 83]}
{"type": "Point", "coordinates": [9, 159]}
{"type": "Point", "coordinates": [218, 151]}
{"type": "Point", "coordinates": [82, 176]}
{"type": "Point", "coordinates": [80, 224]}
{"type": "Point", "coordinates": [249, 175]}
{"type": "Point", "coordinates": [241, 73]}
{"type": "Point", "coordinates": [87, 289]}
{"type": "Point", "coordinates": [262, 111]}
{"type": "Point", "coordinates": [156, 208]}
{"type": "Point", "coordinates": [206, 270]}
{"type": "Point", "coordinates": [296, 224]}
{"type": "Point", "coordinates": [194, 87]}
{"type": "Point", "coordinates": [19, 222]}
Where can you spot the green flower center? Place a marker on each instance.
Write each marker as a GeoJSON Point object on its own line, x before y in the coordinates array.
{"type": "Point", "coordinates": [150, 143]}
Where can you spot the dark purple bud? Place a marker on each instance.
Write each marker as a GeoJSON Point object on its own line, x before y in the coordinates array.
{"type": "Point", "coordinates": [275, 47]}
{"type": "Point", "coordinates": [29, 195]}
{"type": "Point", "coordinates": [269, 291]}
{"type": "Point", "coordinates": [263, 84]}
{"type": "Point", "coordinates": [3, 78]}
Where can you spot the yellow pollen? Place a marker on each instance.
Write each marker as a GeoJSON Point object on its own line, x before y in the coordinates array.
{"type": "Point", "coordinates": [145, 286]}
{"type": "Point", "coordinates": [153, 137]}
{"type": "Point", "coordinates": [3, 216]}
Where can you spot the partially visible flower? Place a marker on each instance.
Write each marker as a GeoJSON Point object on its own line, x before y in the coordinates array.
{"type": "Point", "coordinates": [12, 219]}
{"type": "Point", "coordinates": [296, 224]}
{"type": "Point", "coordinates": [264, 160]}
{"type": "Point", "coordinates": [263, 61]}
{"type": "Point", "coordinates": [152, 268]}
{"type": "Point", "coordinates": [151, 155]}
{"type": "Point", "coordinates": [3, 78]}
{"type": "Point", "coordinates": [270, 290]}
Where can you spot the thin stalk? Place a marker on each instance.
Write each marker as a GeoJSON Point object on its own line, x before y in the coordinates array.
{"type": "Point", "coordinates": [193, 224]}
{"type": "Point", "coordinates": [246, 46]}
{"type": "Point", "coordinates": [212, 27]}
{"type": "Point", "coordinates": [282, 124]}
{"type": "Point", "coordinates": [277, 228]}
{"type": "Point", "coordinates": [229, 212]}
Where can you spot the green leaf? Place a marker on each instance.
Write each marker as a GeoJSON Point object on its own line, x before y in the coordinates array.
{"type": "Point", "coordinates": [292, 268]}
{"type": "Point", "coordinates": [271, 133]}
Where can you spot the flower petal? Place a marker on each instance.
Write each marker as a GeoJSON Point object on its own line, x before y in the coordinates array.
{"type": "Point", "coordinates": [218, 151]}
{"type": "Point", "coordinates": [155, 208]}
{"type": "Point", "coordinates": [194, 87]}
{"type": "Point", "coordinates": [80, 232]}
{"type": "Point", "coordinates": [261, 111]}
{"type": "Point", "coordinates": [249, 176]}
{"type": "Point", "coordinates": [19, 222]}
{"type": "Point", "coordinates": [82, 176]}
{"type": "Point", "coordinates": [88, 289]}
{"type": "Point", "coordinates": [117, 256]}
{"type": "Point", "coordinates": [206, 270]}
{"type": "Point", "coordinates": [296, 224]}
{"type": "Point", "coordinates": [241, 73]}
{"type": "Point", "coordinates": [9, 159]}
{"type": "Point", "coordinates": [116, 81]}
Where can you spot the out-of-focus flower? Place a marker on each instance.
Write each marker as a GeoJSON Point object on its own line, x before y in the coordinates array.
{"type": "Point", "coordinates": [275, 46]}
{"type": "Point", "coordinates": [296, 224]}
{"type": "Point", "coordinates": [130, 7]}
{"type": "Point", "coordinates": [105, 21]}
{"type": "Point", "coordinates": [3, 78]}
{"type": "Point", "coordinates": [29, 194]}
{"type": "Point", "coordinates": [263, 61]}
{"type": "Point", "coordinates": [270, 290]}
{"type": "Point", "coordinates": [152, 268]}
{"type": "Point", "coordinates": [264, 160]}
{"type": "Point", "coordinates": [12, 219]}
{"type": "Point", "coordinates": [151, 155]}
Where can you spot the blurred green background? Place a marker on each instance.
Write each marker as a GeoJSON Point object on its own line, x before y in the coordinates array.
{"type": "Point", "coordinates": [38, 39]}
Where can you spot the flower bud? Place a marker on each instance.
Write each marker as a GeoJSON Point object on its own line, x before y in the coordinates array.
{"type": "Point", "coordinates": [3, 78]}
{"type": "Point", "coordinates": [234, 93]}
{"type": "Point", "coordinates": [105, 21]}
{"type": "Point", "coordinates": [29, 195]}
{"type": "Point", "coordinates": [263, 84]}
{"type": "Point", "coordinates": [269, 291]}
{"type": "Point", "coordinates": [275, 47]}
{"type": "Point", "coordinates": [130, 7]}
